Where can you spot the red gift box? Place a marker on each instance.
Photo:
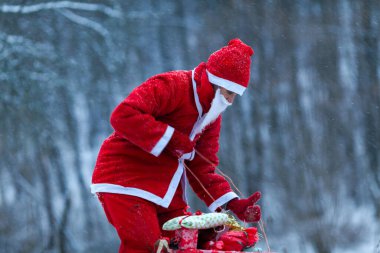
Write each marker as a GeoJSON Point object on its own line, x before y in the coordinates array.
{"type": "Point", "coordinates": [188, 238]}
{"type": "Point", "coordinates": [208, 251]}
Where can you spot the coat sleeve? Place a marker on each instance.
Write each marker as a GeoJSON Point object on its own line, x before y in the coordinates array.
{"type": "Point", "coordinates": [135, 119]}
{"type": "Point", "coordinates": [204, 173]}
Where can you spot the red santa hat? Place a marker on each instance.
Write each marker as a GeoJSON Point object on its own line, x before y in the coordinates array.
{"type": "Point", "coordinates": [229, 67]}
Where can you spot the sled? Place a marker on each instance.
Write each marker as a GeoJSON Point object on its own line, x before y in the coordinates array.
{"type": "Point", "coordinates": [186, 235]}
{"type": "Point", "coordinates": [188, 243]}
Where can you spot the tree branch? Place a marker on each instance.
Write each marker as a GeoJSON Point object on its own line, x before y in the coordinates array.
{"type": "Point", "coordinates": [7, 8]}
{"type": "Point", "coordinates": [85, 22]}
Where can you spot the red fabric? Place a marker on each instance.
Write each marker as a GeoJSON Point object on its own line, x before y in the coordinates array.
{"type": "Point", "coordinates": [246, 209]}
{"type": "Point", "coordinates": [187, 238]}
{"type": "Point", "coordinates": [141, 120]}
{"type": "Point", "coordinates": [205, 89]}
{"type": "Point", "coordinates": [232, 62]}
{"type": "Point", "coordinates": [238, 240]}
{"type": "Point", "coordinates": [179, 144]}
{"type": "Point", "coordinates": [234, 240]}
{"type": "Point", "coordinates": [138, 222]}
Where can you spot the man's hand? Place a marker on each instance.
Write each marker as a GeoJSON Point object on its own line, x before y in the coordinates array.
{"type": "Point", "coordinates": [179, 145]}
{"type": "Point", "coordinates": [246, 209]}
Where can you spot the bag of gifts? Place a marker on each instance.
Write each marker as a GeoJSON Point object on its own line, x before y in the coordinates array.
{"type": "Point", "coordinates": [211, 231]}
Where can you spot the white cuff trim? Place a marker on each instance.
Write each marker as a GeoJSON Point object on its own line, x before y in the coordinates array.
{"type": "Point", "coordinates": [161, 144]}
{"type": "Point", "coordinates": [222, 200]}
{"type": "Point", "coordinates": [227, 84]}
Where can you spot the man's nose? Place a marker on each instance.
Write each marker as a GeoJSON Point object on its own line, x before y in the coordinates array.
{"type": "Point", "coordinates": [230, 97]}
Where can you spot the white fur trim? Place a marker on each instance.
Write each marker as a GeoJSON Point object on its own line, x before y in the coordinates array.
{"type": "Point", "coordinates": [222, 200]}
{"type": "Point", "coordinates": [188, 156]}
{"type": "Point", "coordinates": [173, 185]}
{"type": "Point", "coordinates": [161, 144]}
{"type": "Point", "coordinates": [196, 98]}
{"type": "Point", "coordinates": [113, 188]}
{"type": "Point", "coordinates": [227, 84]}
{"type": "Point", "coordinates": [185, 186]}
{"type": "Point", "coordinates": [165, 201]}
{"type": "Point", "coordinates": [199, 107]}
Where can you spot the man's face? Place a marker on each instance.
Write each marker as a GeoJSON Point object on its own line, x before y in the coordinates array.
{"type": "Point", "coordinates": [229, 95]}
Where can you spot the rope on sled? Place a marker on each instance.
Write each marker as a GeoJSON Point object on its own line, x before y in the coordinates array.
{"type": "Point", "coordinates": [221, 172]}
{"type": "Point", "coordinates": [261, 224]}
{"type": "Point", "coordinates": [199, 181]}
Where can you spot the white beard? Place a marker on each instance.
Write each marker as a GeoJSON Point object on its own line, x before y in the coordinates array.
{"type": "Point", "coordinates": [218, 105]}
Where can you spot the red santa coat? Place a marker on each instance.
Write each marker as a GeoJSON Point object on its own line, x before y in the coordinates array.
{"type": "Point", "coordinates": [133, 160]}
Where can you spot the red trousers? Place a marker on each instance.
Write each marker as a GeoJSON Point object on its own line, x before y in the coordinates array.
{"type": "Point", "coordinates": [138, 222]}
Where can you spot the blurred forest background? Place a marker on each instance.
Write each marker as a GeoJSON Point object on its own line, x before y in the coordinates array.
{"type": "Point", "coordinates": [306, 133]}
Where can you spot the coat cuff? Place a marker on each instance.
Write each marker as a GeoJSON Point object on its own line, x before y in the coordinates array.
{"type": "Point", "coordinates": [222, 200]}
{"type": "Point", "coordinates": [161, 144]}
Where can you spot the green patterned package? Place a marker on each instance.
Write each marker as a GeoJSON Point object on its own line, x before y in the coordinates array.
{"type": "Point", "coordinates": [203, 221]}
{"type": "Point", "coordinates": [173, 224]}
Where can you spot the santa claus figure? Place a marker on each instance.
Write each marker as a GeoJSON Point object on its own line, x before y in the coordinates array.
{"type": "Point", "coordinates": [167, 126]}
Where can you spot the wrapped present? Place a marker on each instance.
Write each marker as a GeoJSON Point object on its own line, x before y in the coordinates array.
{"type": "Point", "coordinates": [232, 238]}
{"type": "Point", "coordinates": [174, 223]}
{"type": "Point", "coordinates": [212, 251]}
{"type": "Point", "coordinates": [187, 238]}
{"type": "Point", "coordinates": [202, 221]}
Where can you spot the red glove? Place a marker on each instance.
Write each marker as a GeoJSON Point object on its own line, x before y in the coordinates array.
{"type": "Point", "coordinates": [179, 144]}
{"type": "Point", "coordinates": [245, 209]}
